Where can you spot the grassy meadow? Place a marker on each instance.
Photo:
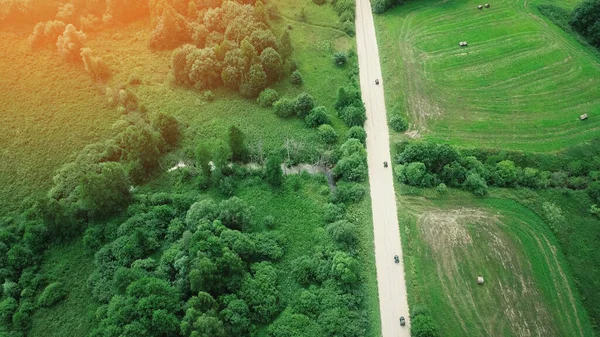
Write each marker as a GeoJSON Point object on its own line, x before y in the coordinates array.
{"type": "Point", "coordinates": [520, 84]}
{"type": "Point", "coordinates": [449, 240]}
{"type": "Point", "coordinates": [50, 109]}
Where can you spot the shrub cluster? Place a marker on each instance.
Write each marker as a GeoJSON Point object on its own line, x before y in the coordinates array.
{"type": "Point", "coordinates": [352, 163]}
{"type": "Point", "coordinates": [233, 47]}
{"type": "Point", "coordinates": [349, 106]}
{"type": "Point", "coordinates": [427, 164]}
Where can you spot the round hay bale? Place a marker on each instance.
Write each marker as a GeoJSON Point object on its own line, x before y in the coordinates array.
{"type": "Point", "coordinates": [479, 280]}
{"type": "Point", "coordinates": [487, 5]}
{"type": "Point", "coordinates": [480, 7]}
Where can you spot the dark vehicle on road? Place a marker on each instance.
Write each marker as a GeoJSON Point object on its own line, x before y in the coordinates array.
{"type": "Point", "coordinates": [385, 164]}
{"type": "Point", "coordinates": [402, 321]}
{"type": "Point", "coordinates": [396, 259]}
{"type": "Point", "coordinates": [377, 81]}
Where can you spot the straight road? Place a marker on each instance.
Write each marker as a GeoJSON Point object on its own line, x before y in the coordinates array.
{"type": "Point", "coordinates": [390, 276]}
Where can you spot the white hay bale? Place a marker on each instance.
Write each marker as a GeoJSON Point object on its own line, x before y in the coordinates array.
{"type": "Point", "coordinates": [479, 280]}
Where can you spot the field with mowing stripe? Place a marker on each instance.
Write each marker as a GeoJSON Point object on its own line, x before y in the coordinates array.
{"type": "Point", "coordinates": [521, 83]}
{"type": "Point", "coordinates": [451, 240]}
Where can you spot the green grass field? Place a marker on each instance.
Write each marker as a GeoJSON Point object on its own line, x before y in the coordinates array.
{"type": "Point", "coordinates": [521, 83]}
{"type": "Point", "coordinates": [450, 240]}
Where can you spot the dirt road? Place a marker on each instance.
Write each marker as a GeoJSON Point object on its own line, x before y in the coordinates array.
{"type": "Point", "coordinates": [390, 276]}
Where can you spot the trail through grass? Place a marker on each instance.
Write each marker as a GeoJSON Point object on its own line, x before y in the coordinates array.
{"type": "Point", "coordinates": [521, 83]}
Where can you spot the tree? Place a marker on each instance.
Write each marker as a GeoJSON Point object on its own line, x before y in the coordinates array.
{"type": "Point", "coordinates": [284, 107]}
{"type": "Point", "coordinates": [351, 168]}
{"type": "Point", "coordinates": [261, 292]}
{"type": "Point", "coordinates": [262, 39]}
{"type": "Point", "coordinates": [285, 45]}
{"type": "Point", "coordinates": [235, 213]}
{"type": "Point", "coordinates": [235, 67]}
{"type": "Point", "coordinates": [205, 68]}
{"type": "Point", "coordinates": [147, 309]}
{"type": "Point", "coordinates": [476, 184]}
{"type": "Point", "coordinates": [254, 82]}
{"type": "Point", "coordinates": [357, 132]}
{"type": "Point", "coordinates": [105, 191]}
{"type": "Point", "coordinates": [304, 104]}
{"type": "Point", "coordinates": [344, 233]}
{"type": "Point", "coordinates": [170, 30]}
{"type": "Point", "coordinates": [340, 59]}
{"type": "Point", "coordinates": [7, 308]}
{"type": "Point", "coordinates": [505, 174]}
{"type": "Point", "coordinates": [272, 64]}
{"type": "Point", "coordinates": [267, 97]}
{"type": "Point", "coordinates": [69, 44]}
{"type": "Point", "coordinates": [239, 150]}
{"type": "Point", "coordinates": [594, 192]}
{"type": "Point", "coordinates": [168, 126]}
{"type": "Point", "coordinates": [179, 64]}
{"type": "Point", "coordinates": [327, 134]}
{"type": "Point", "coordinates": [354, 115]}
{"type": "Point", "coordinates": [274, 174]}
{"type": "Point", "coordinates": [345, 268]}
{"type": "Point", "coordinates": [316, 117]}
{"type": "Point", "coordinates": [236, 317]}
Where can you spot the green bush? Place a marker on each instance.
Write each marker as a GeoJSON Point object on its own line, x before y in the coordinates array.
{"type": "Point", "coordinates": [349, 28]}
{"type": "Point", "coordinates": [267, 97]}
{"type": "Point", "coordinates": [296, 78]}
{"type": "Point", "coordinates": [53, 294]}
{"type": "Point", "coordinates": [354, 115]}
{"type": "Point", "coordinates": [423, 326]}
{"type": "Point", "coordinates": [327, 134]}
{"type": "Point", "coordinates": [441, 188]}
{"type": "Point", "coordinates": [340, 59]}
{"type": "Point", "coordinates": [284, 107]}
{"type": "Point", "coordinates": [316, 117]}
{"type": "Point", "coordinates": [357, 132]}
{"type": "Point", "coordinates": [333, 212]}
{"type": "Point", "coordinates": [398, 123]}
{"type": "Point", "coordinates": [304, 104]}
{"type": "Point", "coordinates": [346, 193]}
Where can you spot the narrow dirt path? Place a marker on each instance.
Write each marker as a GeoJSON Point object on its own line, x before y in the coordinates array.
{"type": "Point", "coordinates": [390, 276]}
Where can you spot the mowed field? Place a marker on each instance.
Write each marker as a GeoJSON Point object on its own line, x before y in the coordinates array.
{"type": "Point", "coordinates": [521, 83]}
{"type": "Point", "coordinates": [50, 110]}
{"type": "Point", "coordinates": [450, 241]}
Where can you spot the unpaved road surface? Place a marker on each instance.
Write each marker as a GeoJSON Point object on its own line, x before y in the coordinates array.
{"type": "Point", "coordinates": [390, 276]}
